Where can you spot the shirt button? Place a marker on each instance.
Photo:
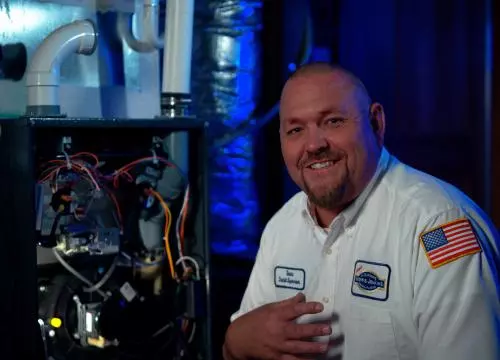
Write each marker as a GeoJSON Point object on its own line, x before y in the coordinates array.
{"type": "Point", "coordinates": [329, 251]}
{"type": "Point", "coordinates": [326, 300]}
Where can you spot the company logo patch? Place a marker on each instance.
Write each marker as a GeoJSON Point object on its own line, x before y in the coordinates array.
{"type": "Point", "coordinates": [289, 278]}
{"type": "Point", "coordinates": [371, 280]}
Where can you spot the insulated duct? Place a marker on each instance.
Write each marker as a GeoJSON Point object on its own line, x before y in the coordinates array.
{"type": "Point", "coordinates": [225, 85]}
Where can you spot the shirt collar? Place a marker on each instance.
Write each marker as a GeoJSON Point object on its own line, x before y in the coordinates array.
{"type": "Point", "coordinates": [348, 215]}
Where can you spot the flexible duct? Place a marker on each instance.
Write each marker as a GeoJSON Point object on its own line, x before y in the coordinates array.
{"type": "Point", "coordinates": [255, 123]}
{"type": "Point", "coordinates": [225, 89]}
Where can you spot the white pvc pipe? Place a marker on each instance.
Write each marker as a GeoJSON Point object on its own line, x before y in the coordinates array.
{"type": "Point", "coordinates": [151, 21]}
{"type": "Point", "coordinates": [43, 76]}
{"type": "Point", "coordinates": [125, 31]}
{"type": "Point", "coordinates": [178, 46]}
{"type": "Point", "coordinates": [177, 67]}
{"type": "Point", "coordinates": [148, 23]}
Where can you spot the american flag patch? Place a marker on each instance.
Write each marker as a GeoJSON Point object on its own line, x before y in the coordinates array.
{"type": "Point", "coordinates": [449, 242]}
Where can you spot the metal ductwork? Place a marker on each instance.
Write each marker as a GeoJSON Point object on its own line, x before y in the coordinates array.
{"type": "Point", "coordinates": [225, 85]}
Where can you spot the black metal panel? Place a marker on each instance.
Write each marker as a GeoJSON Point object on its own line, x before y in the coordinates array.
{"type": "Point", "coordinates": [17, 252]}
{"type": "Point", "coordinates": [177, 124]}
{"type": "Point", "coordinates": [22, 142]}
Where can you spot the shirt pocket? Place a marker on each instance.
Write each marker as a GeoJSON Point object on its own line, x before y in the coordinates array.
{"type": "Point", "coordinates": [369, 334]}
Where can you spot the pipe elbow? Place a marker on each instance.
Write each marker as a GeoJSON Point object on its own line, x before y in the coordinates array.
{"type": "Point", "coordinates": [125, 32]}
{"type": "Point", "coordinates": [42, 78]}
{"type": "Point", "coordinates": [78, 37]}
{"type": "Point", "coordinates": [151, 24]}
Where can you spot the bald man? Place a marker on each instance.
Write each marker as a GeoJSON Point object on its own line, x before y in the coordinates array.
{"type": "Point", "coordinates": [372, 259]}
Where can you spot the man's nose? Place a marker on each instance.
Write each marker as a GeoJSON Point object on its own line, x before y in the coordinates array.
{"type": "Point", "coordinates": [316, 140]}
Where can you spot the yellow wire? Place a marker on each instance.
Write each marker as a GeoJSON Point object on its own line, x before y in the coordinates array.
{"type": "Point", "coordinates": [168, 222]}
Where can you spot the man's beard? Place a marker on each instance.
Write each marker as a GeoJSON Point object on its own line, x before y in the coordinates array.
{"type": "Point", "coordinates": [329, 198]}
{"type": "Point", "coordinates": [326, 196]}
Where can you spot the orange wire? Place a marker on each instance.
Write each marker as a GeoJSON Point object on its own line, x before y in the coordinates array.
{"type": "Point", "coordinates": [85, 153]}
{"type": "Point", "coordinates": [138, 161]}
{"type": "Point", "coordinates": [51, 173]}
{"type": "Point", "coordinates": [80, 169]}
{"type": "Point", "coordinates": [124, 169]}
{"type": "Point", "coordinates": [117, 176]}
{"type": "Point", "coordinates": [168, 222]}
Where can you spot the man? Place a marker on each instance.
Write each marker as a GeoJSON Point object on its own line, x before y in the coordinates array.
{"type": "Point", "coordinates": [373, 259]}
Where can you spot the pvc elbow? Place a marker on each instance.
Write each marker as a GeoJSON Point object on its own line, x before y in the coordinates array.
{"type": "Point", "coordinates": [125, 32]}
{"type": "Point", "coordinates": [42, 78]}
{"type": "Point", "coordinates": [151, 22]}
{"type": "Point", "coordinates": [79, 37]}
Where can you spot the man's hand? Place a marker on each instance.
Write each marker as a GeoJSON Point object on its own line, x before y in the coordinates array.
{"type": "Point", "coordinates": [271, 333]}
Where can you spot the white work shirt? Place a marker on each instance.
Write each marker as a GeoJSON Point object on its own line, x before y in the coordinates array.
{"type": "Point", "coordinates": [370, 268]}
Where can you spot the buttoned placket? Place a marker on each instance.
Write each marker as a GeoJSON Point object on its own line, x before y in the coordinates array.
{"type": "Point", "coordinates": [330, 255]}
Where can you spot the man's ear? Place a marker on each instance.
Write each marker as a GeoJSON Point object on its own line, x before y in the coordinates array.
{"type": "Point", "coordinates": [377, 121]}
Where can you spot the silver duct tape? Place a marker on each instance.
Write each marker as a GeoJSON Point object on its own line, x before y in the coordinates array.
{"type": "Point", "coordinates": [225, 83]}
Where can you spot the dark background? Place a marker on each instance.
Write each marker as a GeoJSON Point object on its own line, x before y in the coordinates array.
{"type": "Point", "coordinates": [432, 64]}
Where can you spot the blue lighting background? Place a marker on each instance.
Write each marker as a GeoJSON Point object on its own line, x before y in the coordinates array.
{"type": "Point", "coordinates": [236, 214]}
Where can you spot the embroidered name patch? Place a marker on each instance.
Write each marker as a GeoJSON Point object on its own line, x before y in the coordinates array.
{"type": "Point", "coordinates": [371, 280]}
{"type": "Point", "coordinates": [289, 278]}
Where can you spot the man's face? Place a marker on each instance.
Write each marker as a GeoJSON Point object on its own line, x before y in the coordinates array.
{"type": "Point", "coordinates": [328, 144]}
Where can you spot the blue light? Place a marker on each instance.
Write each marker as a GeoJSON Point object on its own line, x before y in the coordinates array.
{"type": "Point", "coordinates": [233, 210]}
{"type": "Point", "coordinates": [225, 91]}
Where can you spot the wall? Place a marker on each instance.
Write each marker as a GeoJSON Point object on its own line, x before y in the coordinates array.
{"type": "Point", "coordinates": [425, 61]}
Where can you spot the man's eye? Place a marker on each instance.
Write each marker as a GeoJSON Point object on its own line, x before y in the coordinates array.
{"type": "Point", "coordinates": [335, 121]}
{"type": "Point", "coordinates": [293, 131]}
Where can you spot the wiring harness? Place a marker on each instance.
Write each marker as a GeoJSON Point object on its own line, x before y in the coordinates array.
{"type": "Point", "coordinates": [84, 197]}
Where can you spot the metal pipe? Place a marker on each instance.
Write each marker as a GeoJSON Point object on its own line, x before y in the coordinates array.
{"type": "Point", "coordinates": [43, 78]}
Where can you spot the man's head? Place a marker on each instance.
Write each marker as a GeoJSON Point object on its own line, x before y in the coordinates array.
{"type": "Point", "coordinates": [331, 134]}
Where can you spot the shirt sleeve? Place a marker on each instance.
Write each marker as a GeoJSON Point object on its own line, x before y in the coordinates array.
{"type": "Point", "coordinates": [453, 306]}
{"type": "Point", "coordinates": [260, 289]}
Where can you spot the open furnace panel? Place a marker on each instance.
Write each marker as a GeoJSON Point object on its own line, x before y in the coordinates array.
{"type": "Point", "coordinates": [109, 239]}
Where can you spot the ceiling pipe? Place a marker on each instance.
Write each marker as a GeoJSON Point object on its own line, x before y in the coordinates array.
{"type": "Point", "coordinates": [43, 76]}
